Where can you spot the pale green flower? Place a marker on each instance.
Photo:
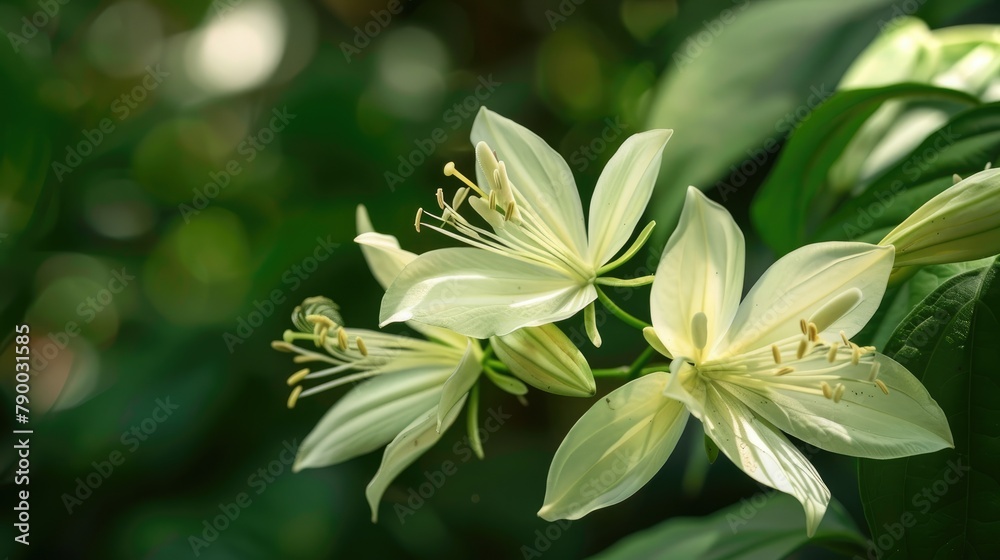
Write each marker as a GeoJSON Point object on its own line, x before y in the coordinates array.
{"type": "Point", "coordinates": [413, 389]}
{"type": "Point", "coordinates": [960, 224]}
{"type": "Point", "coordinates": [780, 361]}
{"type": "Point", "coordinates": [535, 263]}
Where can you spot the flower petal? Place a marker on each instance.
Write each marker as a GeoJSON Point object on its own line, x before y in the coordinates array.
{"type": "Point", "coordinates": [546, 358]}
{"type": "Point", "coordinates": [761, 451]}
{"type": "Point", "coordinates": [538, 172]}
{"type": "Point", "coordinates": [410, 444]}
{"type": "Point", "coordinates": [866, 422]}
{"type": "Point", "coordinates": [622, 192]}
{"type": "Point", "coordinates": [701, 271]}
{"type": "Point", "coordinates": [803, 282]}
{"type": "Point", "coordinates": [382, 252]}
{"type": "Point", "coordinates": [481, 294]}
{"type": "Point", "coordinates": [459, 383]}
{"type": "Point", "coordinates": [614, 449]}
{"type": "Point", "coordinates": [370, 415]}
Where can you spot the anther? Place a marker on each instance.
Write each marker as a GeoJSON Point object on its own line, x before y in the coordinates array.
{"type": "Point", "coordinates": [784, 371]}
{"type": "Point", "coordinates": [699, 330]}
{"type": "Point", "coordinates": [342, 339]}
{"type": "Point", "coordinates": [827, 390]}
{"type": "Point", "coordinates": [510, 211]}
{"type": "Point", "coordinates": [873, 374]}
{"type": "Point", "coordinates": [301, 359]}
{"type": "Point", "coordinates": [321, 339]}
{"type": "Point", "coordinates": [802, 325]}
{"type": "Point", "coordinates": [803, 348]}
{"type": "Point", "coordinates": [493, 200]}
{"type": "Point", "coordinates": [878, 382]}
{"type": "Point", "coordinates": [440, 198]}
{"type": "Point", "coordinates": [282, 346]}
{"type": "Point", "coordinates": [776, 353]}
{"type": "Point", "coordinates": [450, 171]}
{"type": "Point", "coordinates": [812, 332]}
{"type": "Point", "coordinates": [294, 397]}
{"type": "Point", "coordinates": [361, 346]}
{"type": "Point", "coordinates": [459, 198]}
{"type": "Point", "coordinates": [838, 392]}
{"type": "Point", "coordinates": [321, 320]}
{"type": "Point", "coordinates": [416, 221]}
{"type": "Point", "coordinates": [843, 336]}
{"type": "Point", "coordinates": [831, 356]}
{"type": "Point", "coordinates": [855, 356]}
{"type": "Point", "coordinates": [297, 377]}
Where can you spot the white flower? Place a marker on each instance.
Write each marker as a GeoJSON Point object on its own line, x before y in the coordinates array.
{"type": "Point", "coordinates": [536, 263]}
{"type": "Point", "coordinates": [780, 361]}
{"type": "Point", "coordinates": [413, 388]}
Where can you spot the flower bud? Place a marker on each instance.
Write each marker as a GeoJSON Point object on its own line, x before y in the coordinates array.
{"type": "Point", "coordinates": [960, 224]}
{"type": "Point", "coordinates": [545, 358]}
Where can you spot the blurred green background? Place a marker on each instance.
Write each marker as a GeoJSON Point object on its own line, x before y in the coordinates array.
{"type": "Point", "coordinates": [171, 171]}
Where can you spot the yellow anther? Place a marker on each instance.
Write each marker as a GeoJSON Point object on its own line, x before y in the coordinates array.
{"type": "Point", "coordinates": [302, 359]}
{"type": "Point", "coordinates": [784, 371]}
{"type": "Point", "coordinates": [342, 339]}
{"type": "Point", "coordinates": [450, 171]}
{"type": "Point", "coordinates": [459, 198]}
{"type": "Point", "coordinates": [838, 392]}
{"type": "Point", "coordinates": [492, 200]}
{"type": "Point", "coordinates": [832, 354]}
{"type": "Point", "coordinates": [510, 211]}
{"type": "Point", "coordinates": [321, 339]}
{"type": "Point", "coordinates": [294, 397]}
{"type": "Point", "coordinates": [855, 356]}
{"type": "Point", "coordinates": [802, 325]}
{"type": "Point", "coordinates": [873, 374]}
{"type": "Point", "coordinates": [776, 353]}
{"type": "Point", "coordinates": [803, 348]}
{"type": "Point", "coordinates": [827, 390]}
{"type": "Point", "coordinates": [878, 382]}
{"type": "Point", "coordinates": [843, 336]}
{"type": "Point", "coordinates": [416, 221]}
{"type": "Point", "coordinates": [812, 332]}
{"type": "Point", "coordinates": [297, 377]}
{"type": "Point", "coordinates": [282, 346]}
{"type": "Point", "coordinates": [321, 320]}
{"type": "Point", "coordinates": [361, 346]}
{"type": "Point", "coordinates": [440, 198]}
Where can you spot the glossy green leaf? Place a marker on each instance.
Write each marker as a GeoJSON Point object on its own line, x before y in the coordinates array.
{"type": "Point", "coordinates": [795, 191]}
{"type": "Point", "coordinates": [944, 505]}
{"type": "Point", "coordinates": [768, 525]}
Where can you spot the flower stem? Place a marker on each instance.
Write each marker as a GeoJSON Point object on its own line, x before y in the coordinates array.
{"type": "Point", "coordinates": [633, 369]}
{"type": "Point", "coordinates": [643, 359]}
{"type": "Point", "coordinates": [618, 311]}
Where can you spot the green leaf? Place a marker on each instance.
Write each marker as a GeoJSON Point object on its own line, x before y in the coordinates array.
{"type": "Point", "coordinates": [768, 525]}
{"type": "Point", "coordinates": [962, 146]}
{"type": "Point", "coordinates": [945, 504]}
{"type": "Point", "coordinates": [721, 110]}
{"type": "Point", "coordinates": [791, 197]}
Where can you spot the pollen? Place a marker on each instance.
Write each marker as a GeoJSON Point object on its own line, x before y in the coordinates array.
{"type": "Point", "coordinates": [294, 397]}
{"type": "Point", "coordinates": [297, 377]}
{"type": "Point", "coordinates": [881, 385]}
{"type": "Point", "coordinates": [776, 353]}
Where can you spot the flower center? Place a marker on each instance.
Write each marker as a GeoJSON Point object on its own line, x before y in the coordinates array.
{"type": "Point", "coordinates": [517, 231]}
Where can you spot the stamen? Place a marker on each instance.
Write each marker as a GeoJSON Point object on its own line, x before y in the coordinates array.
{"type": "Point", "coordinates": [838, 392]}
{"type": "Point", "coordinates": [294, 397]}
{"type": "Point", "coordinates": [803, 348]}
{"type": "Point", "coordinates": [776, 353]}
{"type": "Point", "coordinates": [510, 211]}
{"type": "Point", "coordinates": [450, 171]}
{"type": "Point", "coordinates": [812, 332]}
{"type": "Point", "coordinates": [493, 200]}
{"type": "Point", "coordinates": [297, 377]}
{"type": "Point", "coordinates": [361, 346]}
{"type": "Point", "coordinates": [784, 371]}
{"type": "Point", "coordinates": [303, 359]}
{"type": "Point", "coordinates": [282, 346]}
{"type": "Point", "coordinates": [321, 320]}
{"type": "Point", "coordinates": [831, 356]}
{"type": "Point", "coordinates": [321, 340]}
{"type": "Point", "coordinates": [873, 374]}
{"type": "Point", "coordinates": [459, 198]}
{"type": "Point", "coordinates": [699, 330]}
{"type": "Point", "coordinates": [827, 391]}
{"type": "Point", "coordinates": [440, 198]}
{"type": "Point", "coordinates": [802, 325]}
{"type": "Point", "coordinates": [416, 221]}
{"type": "Point", "coordinates": [843, 336]}
{"type": "Point", "coordinates": [855, 355]}
{"type": "Point", "coordinates": [882, 386]}
{"type": "Point", "coordinates": [342, 339]}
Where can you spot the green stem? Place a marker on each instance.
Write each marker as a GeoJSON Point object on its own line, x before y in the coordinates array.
{"type": "Point", "coordinates": [618, 311]}
{"type": "Point", "coordinates": [643, 359]}
{"type": "Point", "coordinates": [635, 369]}
{"type": "Point", "coordinates": [620, 371]}
{"type": "Point", "coordinates": [497, 365]}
